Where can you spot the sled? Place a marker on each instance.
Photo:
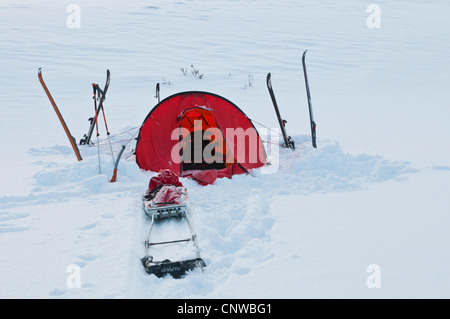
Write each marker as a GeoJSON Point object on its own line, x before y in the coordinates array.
{"type": "Point", "coordinates": [164, 203]}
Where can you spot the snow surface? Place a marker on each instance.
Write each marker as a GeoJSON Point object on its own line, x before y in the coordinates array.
{"type": "Point", "coordinates": [375, 192]}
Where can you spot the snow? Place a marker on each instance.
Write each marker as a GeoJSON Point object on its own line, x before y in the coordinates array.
{"type": "Point", "coordinates": [375, 192]}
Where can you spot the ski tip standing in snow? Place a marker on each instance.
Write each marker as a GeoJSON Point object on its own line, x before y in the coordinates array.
{"type": "Point", "coordinates": [288, 142]}
{"type": "Point", "coordinates": [61, 119]}
{"type": "Point", "coordinates": [311, 116]}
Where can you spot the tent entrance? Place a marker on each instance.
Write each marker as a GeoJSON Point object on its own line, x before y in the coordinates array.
{"type": "Point", "coordinates": [203, 146]}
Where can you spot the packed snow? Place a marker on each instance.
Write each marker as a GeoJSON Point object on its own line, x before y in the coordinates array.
{"type": "Point", "coordinates": [365, 215]}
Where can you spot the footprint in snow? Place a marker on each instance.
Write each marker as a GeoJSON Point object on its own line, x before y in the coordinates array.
{"type": "Point", "coordinates": [57, 292]}
{"type": "Point", "coordinates": [89, 226]}
{"type": "Point", "coordinates": [12, 222]}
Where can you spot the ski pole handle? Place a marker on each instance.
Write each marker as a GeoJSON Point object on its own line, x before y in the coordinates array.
{"type": "Point", "coordinates": [93, 89]}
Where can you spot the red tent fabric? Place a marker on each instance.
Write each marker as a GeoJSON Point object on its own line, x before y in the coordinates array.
{"type": "Point", "coordinates": [173, 128]}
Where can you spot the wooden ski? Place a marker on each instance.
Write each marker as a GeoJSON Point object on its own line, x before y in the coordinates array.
{"type": "Point", "coordinates": [61, 119]}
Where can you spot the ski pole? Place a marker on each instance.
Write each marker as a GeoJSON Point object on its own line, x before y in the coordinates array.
{"type": "Point", "coordinates": [102, 98]}
{"type": "Point", "coordinates": [114, 177]}
{"type": "Point", "coordinates": [94, 87]}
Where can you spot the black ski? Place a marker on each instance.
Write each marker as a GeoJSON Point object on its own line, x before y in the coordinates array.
{"type": "Point", "coordinates": [102, 94]}
{"type": "Point", "coordinates": [92, 120]}
{"type": "Point", "coordinates": [311, 116]}
{"type": "Point", "coordinates": [87, 137]}
{"type": "Point", "coordinates": [158, 94]}
{"type": "Point", "coordinates": [288, 142]}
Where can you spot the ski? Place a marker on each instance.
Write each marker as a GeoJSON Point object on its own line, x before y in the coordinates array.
{"type": "Point", "coordinates": [102, 96]}
{"type": "Point", "coordinates": [87, 137]}
{"type": "Point", "coordinates": [108, 79]}
{"type": "Point", "coordinates": [158, 94]}
{"type": "Point", "coordinates": [61, 119]}
{"type": "Point", "coordinates": [288, 142]}
{"type": "Point", "coordinates": [311, 116]}
{"type": "Point", "coordinates": [93, 120]}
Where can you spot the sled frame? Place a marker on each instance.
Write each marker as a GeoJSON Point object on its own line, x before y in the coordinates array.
{"type": "Point", "coordinates": [177, 269]}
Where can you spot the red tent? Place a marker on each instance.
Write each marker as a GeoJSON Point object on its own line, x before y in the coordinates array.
{"type": "Point", "coordinates": [201, 135]}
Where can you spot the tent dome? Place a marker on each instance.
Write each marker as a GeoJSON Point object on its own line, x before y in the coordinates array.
{"type": "Point", "coordinates": [198, 132]}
